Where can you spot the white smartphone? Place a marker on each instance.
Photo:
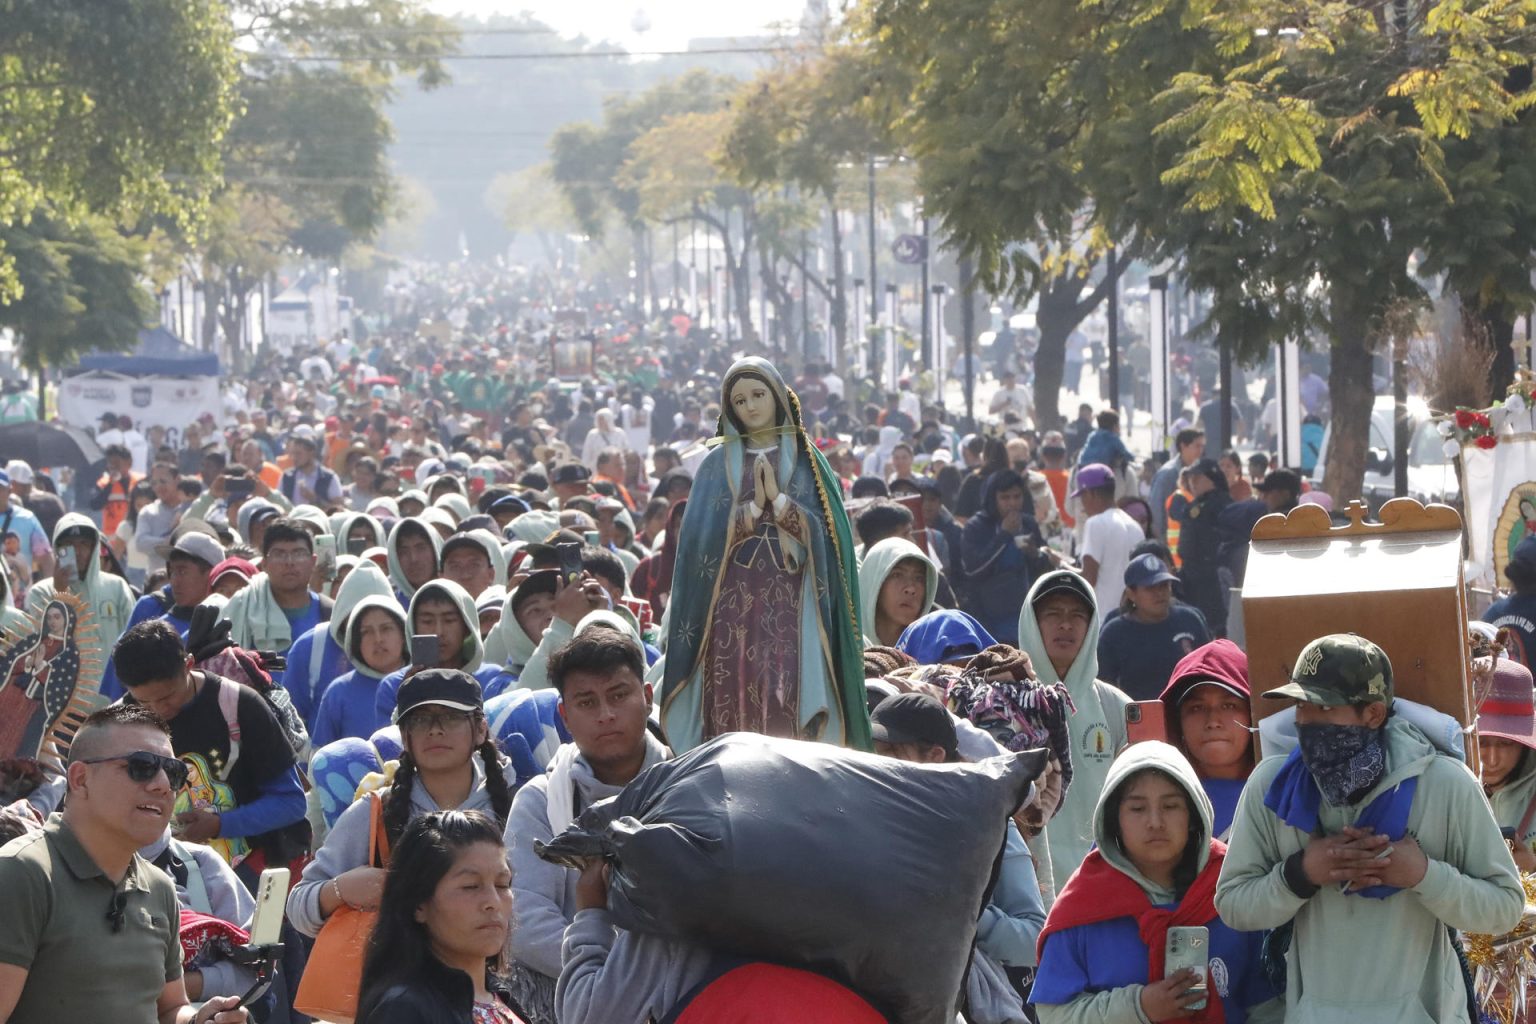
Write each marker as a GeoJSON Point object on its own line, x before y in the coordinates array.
{"type": "Point", "coordinates": [271, 895]}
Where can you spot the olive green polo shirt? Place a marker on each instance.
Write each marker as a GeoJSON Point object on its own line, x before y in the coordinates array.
{"type": "Point", "coordinates": [54, 904]}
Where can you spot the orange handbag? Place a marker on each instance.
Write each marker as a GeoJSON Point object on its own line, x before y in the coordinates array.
{"type": "Point", "coordinates": [332, 979]}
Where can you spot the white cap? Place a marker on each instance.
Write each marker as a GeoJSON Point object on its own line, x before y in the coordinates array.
{"type": "Point", "coordinates": [18, 471]}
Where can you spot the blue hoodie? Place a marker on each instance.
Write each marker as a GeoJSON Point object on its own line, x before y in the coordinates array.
{"type": "Point", "coordinates": [1097, 971]}
{"type": "Point", "coordinates": [944, 634]}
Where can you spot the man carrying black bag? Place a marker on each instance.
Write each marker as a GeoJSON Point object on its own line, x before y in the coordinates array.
{"type": "Point", "coordinates": [745, 847]}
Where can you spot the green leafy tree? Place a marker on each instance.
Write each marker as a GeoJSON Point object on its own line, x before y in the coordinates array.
{"type": "Point", "coordinates": [808, 124]}
{"type": "Point", "coordinates": [81, 288]}
{"type": "Point", "coordinates": [1290, 157]}
{"type": "Point", "coordinates": [587, 159]}
{"type": "Point", "coordinates": [117, 108]}
{"type": "Point", "coordinates": [307, 168]}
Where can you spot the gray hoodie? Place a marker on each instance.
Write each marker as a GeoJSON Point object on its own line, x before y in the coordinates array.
{"type": "Point", "coordinates": [346, 846]}
{"type": "Point", "coordinates": [544, 894]}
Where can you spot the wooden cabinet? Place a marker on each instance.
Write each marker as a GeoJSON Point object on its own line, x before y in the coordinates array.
{"type": "Point", "coordinates": [1397, 582]}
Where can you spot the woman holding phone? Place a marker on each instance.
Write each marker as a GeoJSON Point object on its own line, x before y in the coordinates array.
{"type": "Point", "coordinates": [435, 953]}
{"type": "Point", "coordinates": [1105, 947]}
{"type": "Point", "coordinates": [448, 762]}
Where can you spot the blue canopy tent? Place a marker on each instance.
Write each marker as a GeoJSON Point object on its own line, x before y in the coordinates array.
{"type": "Point", "coordinates": [159, 353]}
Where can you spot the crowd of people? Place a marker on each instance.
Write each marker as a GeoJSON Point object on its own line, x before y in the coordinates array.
{"type": "Point", "coordinates": [412, 607]}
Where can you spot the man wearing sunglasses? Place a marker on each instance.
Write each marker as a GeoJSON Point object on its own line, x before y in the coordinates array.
{"type": "Point", "coordinates": [92, 930]}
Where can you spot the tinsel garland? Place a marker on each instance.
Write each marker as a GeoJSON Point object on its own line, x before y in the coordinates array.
{"type": "Point", "coordinates": [1505, 965]}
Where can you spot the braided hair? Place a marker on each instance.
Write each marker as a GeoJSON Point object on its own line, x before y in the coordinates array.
{"type": "Point", "coordinates": [397, 802]}
{"type": "Point", "coordinates": [495, 780]}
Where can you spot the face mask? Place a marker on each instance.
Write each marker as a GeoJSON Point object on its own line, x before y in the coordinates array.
{"type": "Point", "coordinates": [1346, 761]}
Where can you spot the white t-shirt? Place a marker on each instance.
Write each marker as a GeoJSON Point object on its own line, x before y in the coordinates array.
{"type": "Point", "coordinates": [1108, 538]}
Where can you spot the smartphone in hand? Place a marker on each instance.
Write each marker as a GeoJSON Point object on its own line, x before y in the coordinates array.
{"type": "Point", "coordinates": [425, 650]}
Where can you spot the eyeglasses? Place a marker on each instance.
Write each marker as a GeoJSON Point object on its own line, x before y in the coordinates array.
{"type": "Point", "coordinates": [426, 721]}
{"type": "Point", "coordinates": [143, 766]}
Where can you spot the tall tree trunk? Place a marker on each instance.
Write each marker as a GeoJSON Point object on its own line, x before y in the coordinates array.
{"type": "Point", "coordinates": [1056, 315]}
{"type": "Point", "coordinates": [1351, 394]}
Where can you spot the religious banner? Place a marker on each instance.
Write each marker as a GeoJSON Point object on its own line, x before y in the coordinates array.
{"type": "Point", "coordinates": [46, 665]}
{"type": "Point", "coordinates": [1498, 481]}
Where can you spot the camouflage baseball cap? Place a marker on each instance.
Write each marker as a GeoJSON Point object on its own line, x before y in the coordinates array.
{"type": "Point", "coordinates": [1340, 668]}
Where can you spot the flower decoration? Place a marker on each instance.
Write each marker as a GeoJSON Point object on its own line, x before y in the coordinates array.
{"type": "Point", "coordinates": [1469, 427]}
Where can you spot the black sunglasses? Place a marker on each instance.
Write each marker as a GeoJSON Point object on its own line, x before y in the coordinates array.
{"type": "Point", "coordinates": [143, 766]}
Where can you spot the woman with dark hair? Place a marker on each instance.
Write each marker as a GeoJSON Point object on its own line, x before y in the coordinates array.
{"type": "Point", "coordinates": [448, 761]}
{"type": "Point", "coordinates": [994, 459]}
{"type": "Point", "coordinates": [1102, 952]}
{"type": "Point", "coordinates": [436, 951]}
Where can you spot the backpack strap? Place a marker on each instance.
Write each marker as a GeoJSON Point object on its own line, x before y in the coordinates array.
{"type": "Point", "coordinates": [196, 885]}
{"type": "Point", "coordinates": [229, 707]}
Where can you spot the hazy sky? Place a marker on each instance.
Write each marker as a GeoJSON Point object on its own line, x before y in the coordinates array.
{"type": "Point", "coordinates": [672, 22]}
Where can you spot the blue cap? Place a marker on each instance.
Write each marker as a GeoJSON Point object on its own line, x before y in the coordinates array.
{"type": "Point", "coordinates": [5, 478]}
{"type": "Point", "coordinates": [1147, 571]}
{"type": "Point", "coordinates": [1525, 551]}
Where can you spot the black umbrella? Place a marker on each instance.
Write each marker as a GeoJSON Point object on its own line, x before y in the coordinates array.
{"type": "Point", "coordinates": [43, 445]}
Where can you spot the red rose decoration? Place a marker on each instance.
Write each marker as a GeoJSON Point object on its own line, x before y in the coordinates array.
{"type": "Point", "coordinates": [1486, 441]}
{"type": "Point", "coordinates": [1481, 419]}
{"type": "Point", "coordinates": [1464, 419]}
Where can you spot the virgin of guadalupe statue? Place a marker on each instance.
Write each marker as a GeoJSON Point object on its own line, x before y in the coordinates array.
{"type": "Point", "coordinates": [38, 677]}
{"type": "Point", "coordinates": [763, 631]}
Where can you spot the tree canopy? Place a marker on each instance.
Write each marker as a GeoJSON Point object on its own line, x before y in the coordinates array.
{"type": "Point", "coordinates": [114, 108]}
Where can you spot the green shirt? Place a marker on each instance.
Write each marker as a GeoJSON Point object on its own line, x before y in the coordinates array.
{"type": "Point", "coordinates": [54, 902]}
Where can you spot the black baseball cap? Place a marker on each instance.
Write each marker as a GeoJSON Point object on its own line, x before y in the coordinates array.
{"type": "Point", "coordinates": [570, 473]}
{"type": "Point", "coordinates": [1064, 581]}
{"type": "Point", "coordinates": [914, 718]}
{"type": "Point", "coordinates": [445, 687]}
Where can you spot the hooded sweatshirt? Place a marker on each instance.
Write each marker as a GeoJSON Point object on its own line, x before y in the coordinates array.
{"type": "Point", "coordinates": [535, 674]}
{"type": "Point", "coordinates": [1097, 726]}
{"type": "Point", "coordinates": [508, 642]}
{"type": "Point", "coordinates": [492, 546]}
{"type": "Point", "coordinates": [319, 656]}
{"type": "Point", "coordinates": [403, 588]}
{"type": "Point", "coordinates": [1224, 663]}
{"type": "Point", "coordinates": [1094, 973]}
{"type": "Point", "coordinates": [347, 705]}
{"type": "Point", "coordinates": [1377, 961]}
{"type": "Point", "coordinates": [877, 565]}
{"type": "Point", "coordinates": [997, 570]}
{"type": "Point", "coordinates": [346, 845]}
{"type": "Point", "coordinates": [474, 647]}
{"type": "Point", "coordinates": [348, 520]}
{"type": "Point", "coordinates": [1511, 800]}
{"type": "Point", "coordinates": [545, 893]}
{"type": "Point", "coordinates": [108, 598]}
{"type": "Point", "coordinates": [943, 635]}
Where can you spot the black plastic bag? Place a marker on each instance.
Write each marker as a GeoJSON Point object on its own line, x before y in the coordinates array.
{"type": "Point", "coordinates": [871, 870]}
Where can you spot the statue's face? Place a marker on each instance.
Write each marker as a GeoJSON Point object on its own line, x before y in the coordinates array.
{"type": "Point", "coordinates": [753, 403]}
{"type": "Point", "coordinates": [54, 620]}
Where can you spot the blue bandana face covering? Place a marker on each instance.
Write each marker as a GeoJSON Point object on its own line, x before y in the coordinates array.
{"type": "Point", "coordinates": [1346, 761]}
